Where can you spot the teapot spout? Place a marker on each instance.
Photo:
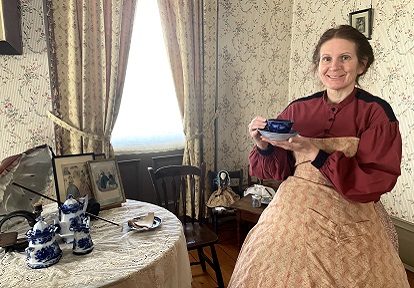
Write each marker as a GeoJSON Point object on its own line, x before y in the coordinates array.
{"type": "Point", "coordinates": [56, 222]}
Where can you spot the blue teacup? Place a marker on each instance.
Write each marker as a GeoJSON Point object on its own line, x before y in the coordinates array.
{"type": "Point", "coordinates": [279, 125]}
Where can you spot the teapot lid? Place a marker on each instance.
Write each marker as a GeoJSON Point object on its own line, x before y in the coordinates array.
{"type": "Point", "coordinates": [70, 204]}
{"type": "Point", "coordinates": [40, 228]}
{"type": "Point", "coordinates": [70, 200]}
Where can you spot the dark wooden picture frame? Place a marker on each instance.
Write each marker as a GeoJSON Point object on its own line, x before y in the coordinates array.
{"type": "Point", "coordinates": [71, 176]}
{"type": "Point", "coordinates": [106, 183]}
{"type": "Point", "coordinates": [362, 21]}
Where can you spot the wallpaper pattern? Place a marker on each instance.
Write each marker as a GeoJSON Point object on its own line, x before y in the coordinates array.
{"type": "Point", "coordinates": [264, 59]}
{"type": "Point", "coordinates": [253, 71]}
{"type": "Point", "coordinates": [25, 88]}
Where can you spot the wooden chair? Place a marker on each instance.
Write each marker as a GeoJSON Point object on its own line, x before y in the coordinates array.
{"type": "Point", "coordinates": [236, 184]}
{"type": "Point", "coordinates": [173, 184]}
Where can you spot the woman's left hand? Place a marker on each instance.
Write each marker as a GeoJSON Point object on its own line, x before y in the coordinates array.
{"type": "Point", "coordinates": [297, 144]}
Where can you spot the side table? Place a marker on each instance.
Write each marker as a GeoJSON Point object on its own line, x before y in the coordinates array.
{"type": "Point", "coordinates": [245, 212]}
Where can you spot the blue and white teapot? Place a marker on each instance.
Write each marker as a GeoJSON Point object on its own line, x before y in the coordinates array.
{"type": "Point", "coordinates": [70, 210]}
{"type": "Point", "coordinates": [43, 250]}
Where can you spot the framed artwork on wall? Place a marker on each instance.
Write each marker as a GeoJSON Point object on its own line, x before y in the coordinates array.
{"type": "Point", "coordinates": [362, 21]}
{"type": "Point", "coordinates": [106, 183]}
{"type": "Point", "coordinates": [71, 175]}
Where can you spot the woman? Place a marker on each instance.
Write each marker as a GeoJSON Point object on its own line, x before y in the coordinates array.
{"type": "Point", "coordinates": [322, 229]}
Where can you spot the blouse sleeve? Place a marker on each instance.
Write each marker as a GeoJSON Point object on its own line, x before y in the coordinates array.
{"type": "Point", "coordinates": [373, 170]}
{"type": "Point", "coordinates": [271, 164]}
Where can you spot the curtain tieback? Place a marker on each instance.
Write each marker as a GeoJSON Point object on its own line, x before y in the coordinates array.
{"type": "Point", "coordinates": [195, 136]}
{"type": "Point", "coordinates": [75, 130]}
{"type": "Point", "coordinates": [209, 125]}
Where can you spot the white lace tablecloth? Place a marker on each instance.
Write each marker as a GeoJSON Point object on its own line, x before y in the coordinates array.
{"type": "Point", "coordinates": [156, 258]}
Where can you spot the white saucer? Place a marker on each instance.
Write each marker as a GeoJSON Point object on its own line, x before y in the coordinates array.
{"type": "Point", "coordinates": [157, 222]}
{"type": "Point", "coordinates": [278, 136]}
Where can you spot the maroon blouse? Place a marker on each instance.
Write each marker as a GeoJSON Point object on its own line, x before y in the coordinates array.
{"type": "Point", "coordinates": [375, 167]}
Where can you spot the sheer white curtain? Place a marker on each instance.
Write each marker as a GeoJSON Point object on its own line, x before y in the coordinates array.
{"type": "Point", "coordinates": [149, 117]}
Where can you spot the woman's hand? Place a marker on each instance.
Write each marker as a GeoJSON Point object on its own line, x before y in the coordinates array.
{"type": "Point", "coordinates": [296, 144]}
{"type": "Point", "coordinates": [258, 123]}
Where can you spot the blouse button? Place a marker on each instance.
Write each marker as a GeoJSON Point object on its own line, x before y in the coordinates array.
{"type": "Point", "coordinates": [330, 119]}
{"type": "Point", "coordinates": [333, 109]}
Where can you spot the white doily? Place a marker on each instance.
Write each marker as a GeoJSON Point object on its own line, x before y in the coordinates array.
{"type": "Point", "coordinates": [120, 258]}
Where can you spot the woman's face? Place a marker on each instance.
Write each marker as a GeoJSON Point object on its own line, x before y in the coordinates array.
{"type": "Point", "coordinates": [339, 65]}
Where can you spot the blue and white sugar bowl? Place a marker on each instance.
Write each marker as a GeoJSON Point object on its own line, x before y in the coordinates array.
{"type": "Point", "coordinates": [82, 243]}
{"type": "Point", "coordinates": [43, 250]}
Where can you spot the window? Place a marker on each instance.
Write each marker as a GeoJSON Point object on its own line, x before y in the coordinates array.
{"type": "Point", "coordinates": [149, 118]}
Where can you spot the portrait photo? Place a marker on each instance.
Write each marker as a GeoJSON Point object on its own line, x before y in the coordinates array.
{"type": "Point", "coordinates": [362, 21]}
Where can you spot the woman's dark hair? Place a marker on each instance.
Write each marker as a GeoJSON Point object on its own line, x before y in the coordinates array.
{"type": "Point", "coordinates": [347, 32]}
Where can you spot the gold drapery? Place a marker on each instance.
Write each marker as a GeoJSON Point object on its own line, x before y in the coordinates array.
{"type": "Point", "coordinates": [182, 25]}
{"type": "Point", "coordinates": [89, 44]}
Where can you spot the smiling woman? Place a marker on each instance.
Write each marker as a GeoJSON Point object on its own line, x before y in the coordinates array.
{"type": "Point", "coordinates": [326, 169]}
{"type": "Point", "coordinates": [149, 119]}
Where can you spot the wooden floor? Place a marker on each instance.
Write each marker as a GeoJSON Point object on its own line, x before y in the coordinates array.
{"type": "Point", "coordinates": [227, 252]}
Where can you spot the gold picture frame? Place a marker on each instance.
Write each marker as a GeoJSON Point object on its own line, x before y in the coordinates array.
{"type": "Point", "coordinates": [71, 176]}
{"type": "Point", "coordinates": [362, 21]}
{"type": "Point", "coordinates": [106, 183]}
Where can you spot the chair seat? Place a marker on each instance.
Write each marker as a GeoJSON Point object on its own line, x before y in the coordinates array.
{"type": "Point", "coordinates": [198, 235]}
{"type": "Point", "coordinates": [225, 211]}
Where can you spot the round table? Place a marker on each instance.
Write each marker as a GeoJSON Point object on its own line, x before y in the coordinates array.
{"type": "Point", "coordinates": [121, 257]}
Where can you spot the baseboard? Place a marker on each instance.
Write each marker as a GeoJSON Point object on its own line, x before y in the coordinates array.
{"type": "Point", "coordinates": [405, 232]}
{"type": "Point", "coordinates": [409, 268]}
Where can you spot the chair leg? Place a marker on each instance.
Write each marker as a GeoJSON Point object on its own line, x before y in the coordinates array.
{"type": "Point", "coordinates": [216, 224]}
{"type": "Point", "coordinates": [202, 261]}
{"type": "Point", "coordinates": [216, 266]}
{"type": "Point", "coordinates": [213, 218]}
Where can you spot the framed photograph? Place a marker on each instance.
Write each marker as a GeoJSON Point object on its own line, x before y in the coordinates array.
{"type": "Point", "coordinates": [71, 175]}
{"type": "Point", "coordinates": [106, 182]}
{"type": "Point", "coordinates": [362, 21]}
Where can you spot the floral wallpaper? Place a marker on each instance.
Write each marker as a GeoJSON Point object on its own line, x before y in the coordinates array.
{"type": "Point", "coordinates": [25, 88]}
{"type": "Point", "coordinates": [263, 56]}
{"type": "Point", "coordinates": [253, 71]}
